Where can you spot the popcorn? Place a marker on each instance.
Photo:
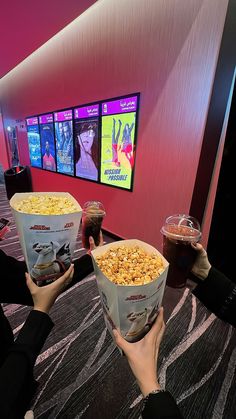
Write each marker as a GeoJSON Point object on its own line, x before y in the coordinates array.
{"type": "Point", "coordinates": [131, 277]}
{"type": "Point", "coordinates": [47, 224]}
{"type": "Point", "coordinates": [130, 265]}
{"type": "Point", "coordinates": [45, 205]}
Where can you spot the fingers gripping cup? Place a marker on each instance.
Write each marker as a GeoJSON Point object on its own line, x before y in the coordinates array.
{"type": "Point", "coordinates": [179, 231]}
{"type": "Point", "coordinates": [92, 218]}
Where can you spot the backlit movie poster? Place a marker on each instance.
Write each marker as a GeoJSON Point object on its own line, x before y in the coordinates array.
{"type": "Point", "coordinates": [86, 142]}
{"type": "Point", "coordinates": [64, 142]}
{"type": "Point", "coordinates": [34, 142]}
{"type": "Point", "coordinates": [117, 145]}
{"type": "Point", "coordinates": [95, 142]}
{"type": "Point", "coordinates": [47, 142]}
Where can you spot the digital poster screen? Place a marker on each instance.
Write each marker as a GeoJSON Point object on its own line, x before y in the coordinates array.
{"type": "Point", "coordinates": [64, 142]}
{"type": "Point", "coordinates": [34, 141]}
{"type": "Point", "coordinates": [86, 142]}
{"type": "Point", "coordinates": [46, 129]}
{"type": "Point", "coordinates": [118, 133]}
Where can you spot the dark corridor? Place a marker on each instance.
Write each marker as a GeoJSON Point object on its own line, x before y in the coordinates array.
{"type": "Point", "coordinates": [222, 239]}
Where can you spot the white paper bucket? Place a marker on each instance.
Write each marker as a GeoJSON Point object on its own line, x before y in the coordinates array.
{"type": "Point", "coordinates": [47, 241]}
{"type": "Point", "coordinates": [132, 309]}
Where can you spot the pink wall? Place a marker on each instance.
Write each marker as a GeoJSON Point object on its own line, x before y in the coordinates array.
{"type": "Point", "coordinates": [36, 22]}
{"type": "Point", "coordinates": [168, 51]}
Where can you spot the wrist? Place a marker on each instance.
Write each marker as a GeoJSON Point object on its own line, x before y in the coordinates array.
{"type": "Point", "coordinates": [203, 273]}
{"type": "Point", "coordinates": [147, 387]}
{"type": "Point", "coordinates": [44, 309]}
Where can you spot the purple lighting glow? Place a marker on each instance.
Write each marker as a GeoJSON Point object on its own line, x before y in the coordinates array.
{"type": "Point", "coordinates": [86, 111]}
{"type": "Point", "coordinates": [123, 105]}
{"type": "Point", "coordinates": [63, 115]}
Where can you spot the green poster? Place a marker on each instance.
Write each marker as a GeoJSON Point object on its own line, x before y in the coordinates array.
{"type": "Point", "coordinates": [117, 152]}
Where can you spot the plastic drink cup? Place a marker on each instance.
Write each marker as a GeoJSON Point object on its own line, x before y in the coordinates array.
{"type": "Point", "coordinates": [179, 231]}
{"type": "Point", "coordinates": [92, 218]}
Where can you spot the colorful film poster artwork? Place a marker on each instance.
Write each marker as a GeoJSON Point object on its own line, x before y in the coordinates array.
{"type": "Point", "coordinates": [34, 142]}
{"type": "Point", "coordinates": [47, 142]}
{"type": "Point", "coordinates": [86, 148]}
{"type": "Point", "coordinates": [64, 142]}
{"type": "Point", "coordinates": [117, 152]}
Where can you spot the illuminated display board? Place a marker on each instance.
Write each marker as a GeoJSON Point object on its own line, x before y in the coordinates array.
{"type": "Point", "coordinates": [86, 129]}
{"type": "Point", "coordinates": [34, 141]}
{"type": "Point", "coordinates": [95, 142]}
{"type": "Point", "coordinates": [46, 129]}
{"type": "Point", "coordinates": [64, 142]}
{"type": "Point", "coordinates": [118, 134]}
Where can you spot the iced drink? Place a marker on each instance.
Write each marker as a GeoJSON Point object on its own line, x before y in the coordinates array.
{"type": "Point", "coordinates": [179, 231]}
{"type": "Point", "coordinates": [92, 218]}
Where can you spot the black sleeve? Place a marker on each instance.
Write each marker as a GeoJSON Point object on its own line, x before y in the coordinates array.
{"type": "Point", "coordinates": [218, 294]}
{"type": "Point", "coordinates": [13, 283]}
{"type": "Point", "coordinates": [161, 406]}
{"type": "Point", "coordinates": [16, 373]}
{"type": "Point", "coordinates": [82, 267]}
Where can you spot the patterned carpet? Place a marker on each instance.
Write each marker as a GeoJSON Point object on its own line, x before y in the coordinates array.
{"type": "Point", "coordinates": [82, 375]}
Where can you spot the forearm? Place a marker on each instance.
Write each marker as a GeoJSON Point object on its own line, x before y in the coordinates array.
{"type": "Point", "coordinates": [161, 406]}
{"type": "Point", "coordinates": [82, 267]}
{"type": "Point", "coordinates": [148, 385]}
{"type": "Point", "coordinates": [33, 335]}
{"type": "Point", "coordinates": [15, 380]}
{"type": "Point", "coordinates": [16, 373]}
{"type": "Point", "coordinates": [13, 286]}
{"type": "Point", "coordinates": [218, 294]}
{"type": "Point", "coordinates": [14, 289]}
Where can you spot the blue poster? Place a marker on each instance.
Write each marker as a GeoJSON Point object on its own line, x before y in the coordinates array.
{"type": "Point", "coordinates": [48, 146]}
{"type": "Point", "coordinates": [34, 143]}
{"type": "Point", "coordinates": [64, 147]}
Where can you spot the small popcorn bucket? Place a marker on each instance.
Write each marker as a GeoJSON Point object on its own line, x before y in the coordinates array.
{"type": "Point", "coordinates": [131, 308]}
{"type": "Point", "coordinates": [47, 241]}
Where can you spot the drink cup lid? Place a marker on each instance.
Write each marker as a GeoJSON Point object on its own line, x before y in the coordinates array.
{"type": "Point", "coordinates": [182, 227]}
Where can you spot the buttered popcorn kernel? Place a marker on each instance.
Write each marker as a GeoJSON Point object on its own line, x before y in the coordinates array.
{"type": "Point", "coordinates": [46, 205]}
{"type": "Point", "coordinates": [130, 265]}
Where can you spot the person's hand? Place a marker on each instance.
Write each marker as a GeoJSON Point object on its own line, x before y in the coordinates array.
{"type": "Point", "coordinates": [44, 297]}
{"type": "Point", "coordinates": [202, 265]}
{"type": "Point", "coordinates": [142, 356]}
{"type": "Point", "coordinates": [92, 245]}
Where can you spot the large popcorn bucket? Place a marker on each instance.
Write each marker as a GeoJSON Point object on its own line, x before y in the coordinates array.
{"type": "Point", "coordinates": [47, 241]}
{"type": "Point", "coordinates": [131, 308]}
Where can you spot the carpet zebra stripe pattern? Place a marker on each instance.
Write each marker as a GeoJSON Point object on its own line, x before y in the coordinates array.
{"type": "Point", "coordinates": [82, 375]}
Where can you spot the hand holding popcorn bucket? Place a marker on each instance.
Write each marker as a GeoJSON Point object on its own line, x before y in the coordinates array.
{"type": "Point", "coordinates": [47, 224]}
{"type": "Point", "coordinates": [131, 278]}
